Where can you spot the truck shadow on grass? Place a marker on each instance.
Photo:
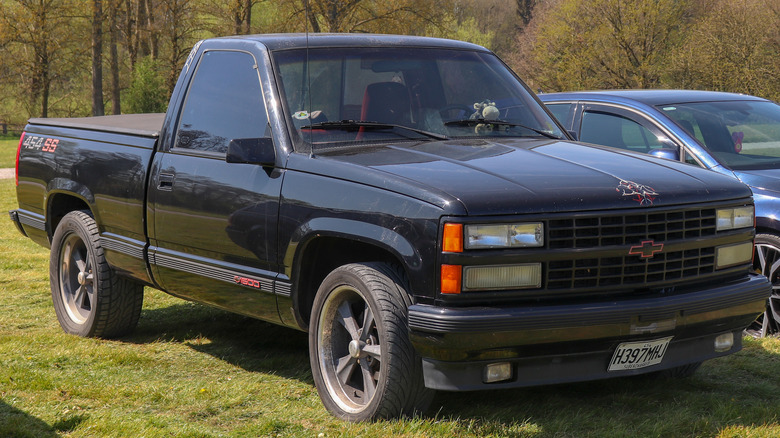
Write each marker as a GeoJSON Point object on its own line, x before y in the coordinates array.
{"type": "Point", "coordinates": [726, 393]}
{"type": "Point", "coordinates": [248, 343]}
{"type": "Point", "coordinates": [19, 424]}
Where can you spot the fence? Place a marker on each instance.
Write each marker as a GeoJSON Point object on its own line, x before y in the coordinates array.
{"type": "Point", "coordinates": [7, 129]}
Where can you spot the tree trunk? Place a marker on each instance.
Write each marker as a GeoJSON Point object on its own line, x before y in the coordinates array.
{"type": "Point", "coordinates": [45, 83]}
{"type": "Point", "coordinates": [248, 16]}
{"type": "Point", "coordinates": [238, 17]}
{"type": "Point", "coordinates": [154, 46]}
{"type": "Point", "coordinates": [116, 104]}
{"type": "Point", "coordinates": [132, 49]}
{"type": "Point", "coordinates": [97, 58]}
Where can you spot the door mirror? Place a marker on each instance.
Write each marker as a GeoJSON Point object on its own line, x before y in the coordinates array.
{"type": "Point", "coordinates": [252, 151]}
{"type": "Point", "coordinates": [667, 153]}
{"type": "Point", "coordinates": [573, 135]}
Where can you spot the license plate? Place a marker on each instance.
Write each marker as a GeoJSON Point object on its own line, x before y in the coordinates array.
{"type": "Point", "coordinates": [635, 355]}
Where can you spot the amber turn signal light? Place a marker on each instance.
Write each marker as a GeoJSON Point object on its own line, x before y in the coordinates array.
{"type": "Point", "coordinates": [453, 238]}
{"type": "Point", "coordinates": [451, 277]}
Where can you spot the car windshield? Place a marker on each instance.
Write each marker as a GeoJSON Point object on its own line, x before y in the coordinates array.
{"type": "Point", "coordinates": [742, 135]}
{"type": "Point", "coordinates": [341, 96]}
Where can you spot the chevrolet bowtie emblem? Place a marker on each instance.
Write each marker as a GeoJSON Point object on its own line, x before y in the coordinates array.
{"type": "Point", "coordinates": [646, 249]}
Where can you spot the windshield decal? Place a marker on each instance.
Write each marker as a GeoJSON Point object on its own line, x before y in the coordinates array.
{"type": "Point", "coordinates": [644, 195]}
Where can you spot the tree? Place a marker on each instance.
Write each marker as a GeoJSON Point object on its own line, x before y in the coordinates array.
{"type": "Point", "coordinates": [233, 17]}
{"type": "Point", "coordinates": [97, 58]}
{"type": "Point", "coordinates": [114, 29]}
{"type": "Point", "coordinates": [580, 44]}
{"type": "Point", "coordinates": [734, 47]}
{"type": "Point", "coordinates": [363, 16]}
{"type": "Point", "coordinates": [147, 92]}
{"type": "Point", "coordinates": [41, 31]}
{"type": "Point", "coordinates": [178, 32]}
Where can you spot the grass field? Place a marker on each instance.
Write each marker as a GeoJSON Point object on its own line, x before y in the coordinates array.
{"type": "Point", "coordinates": [191, 371]}
{"type": "Point", "coordinates": [8, 147]}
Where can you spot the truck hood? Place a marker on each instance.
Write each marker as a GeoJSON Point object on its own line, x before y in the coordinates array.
{"type": "Point", "coordinates": [516, 176]}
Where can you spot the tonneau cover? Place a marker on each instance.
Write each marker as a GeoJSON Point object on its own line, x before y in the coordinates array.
{"type": "Point", "coordinates": [146, 125]}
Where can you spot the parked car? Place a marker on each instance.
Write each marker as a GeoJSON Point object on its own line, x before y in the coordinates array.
{"type": "Point", "coordinates": [732, 134]}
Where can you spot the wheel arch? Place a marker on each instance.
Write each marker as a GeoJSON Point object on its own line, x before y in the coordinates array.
{"type": "Point", "coordinates": [328, 245]}
{"type": "Point", "coordinates": [767, 225]}
{"type": "Point", "coordinates": [59, 203]}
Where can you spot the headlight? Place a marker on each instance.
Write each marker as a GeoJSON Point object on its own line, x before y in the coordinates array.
{"type": "Point", "coordinates": [733, 218]}
{"type": "Point", "coordinates": [504, 236]}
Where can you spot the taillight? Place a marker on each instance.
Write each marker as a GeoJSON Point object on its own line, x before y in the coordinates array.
{"type": "Point", "coordinates": [18, 153]}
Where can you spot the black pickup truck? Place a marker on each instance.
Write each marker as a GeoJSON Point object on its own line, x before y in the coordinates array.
{"type": "Point", "coordinates": [409, 203]}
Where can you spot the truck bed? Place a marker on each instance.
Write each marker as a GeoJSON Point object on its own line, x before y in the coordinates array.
{"type": "Point", "coordinates": [143, 125]}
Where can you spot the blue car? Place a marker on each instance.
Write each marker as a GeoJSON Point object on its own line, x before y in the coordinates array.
{"type": "Point", "coordinates": [732, 134]}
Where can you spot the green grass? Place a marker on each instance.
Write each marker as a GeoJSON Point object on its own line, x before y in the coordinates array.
{"type": "Point", "coordinates": [192, 371]}
{"type": "Point", "coordinates": [8, 147]}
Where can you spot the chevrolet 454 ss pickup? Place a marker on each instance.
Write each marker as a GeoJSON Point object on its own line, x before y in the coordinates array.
{"type": "Point", "coordinates": [410, 204]}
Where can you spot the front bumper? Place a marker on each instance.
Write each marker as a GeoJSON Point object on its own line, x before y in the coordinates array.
{"type": "Point", "coordinates": [574, 342]}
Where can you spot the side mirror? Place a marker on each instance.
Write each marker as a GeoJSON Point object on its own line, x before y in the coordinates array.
{"type": "Point", "coordinates": [573, 135]}
{"type": "Point", "coordinates": [667, 153]}
{"type": "Point", "coordinates": [252, 151]}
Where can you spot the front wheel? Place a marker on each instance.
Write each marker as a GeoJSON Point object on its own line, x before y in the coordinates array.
{"type": "Point", "coordinates": [89, 298]}
{"type": "Point", "coordinates": [364, 365]}
{"type": "Point", "coordinates": [766, 260]}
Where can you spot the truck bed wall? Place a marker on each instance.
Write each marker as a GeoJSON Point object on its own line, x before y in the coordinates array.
{"type": "Point", "coordinates": [93, 168]}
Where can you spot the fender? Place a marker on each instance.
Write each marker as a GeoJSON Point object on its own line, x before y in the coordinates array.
{"type": "Point", "coordinates": [384, 239]}
{"type": "Point", "coordinates": [351, 230]}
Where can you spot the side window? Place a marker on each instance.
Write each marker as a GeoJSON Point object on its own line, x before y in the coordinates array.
{"type": "Point", "coordinates": [617, 131]}
{"type": "Point", "coordinates": [224, 101]}
{"type": "Point", "coordinates": [561, 111]}
{"type": "Point", "coordinates": [688, 158]}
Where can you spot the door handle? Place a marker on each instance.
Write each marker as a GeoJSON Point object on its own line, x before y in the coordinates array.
{"type": "Point", "coordinates": [165, 181]}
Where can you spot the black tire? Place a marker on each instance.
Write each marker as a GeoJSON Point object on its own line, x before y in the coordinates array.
{"type": "Point", "coordinates": [766, 260]}
{"type": "Point", "coordinates": [89, 298]}
{"type": "Point", "coordinates": [364, 365]}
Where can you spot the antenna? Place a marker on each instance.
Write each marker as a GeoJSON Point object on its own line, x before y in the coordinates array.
{"type": "Point", "coordinates": [308, 77]}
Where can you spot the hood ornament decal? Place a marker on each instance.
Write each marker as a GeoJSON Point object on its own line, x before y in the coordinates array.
{"type": "Point", "coordinates": [644, 195]}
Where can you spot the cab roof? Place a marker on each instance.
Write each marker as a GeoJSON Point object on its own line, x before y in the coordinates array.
{"type": "Point", "coordinates": [317, 40]}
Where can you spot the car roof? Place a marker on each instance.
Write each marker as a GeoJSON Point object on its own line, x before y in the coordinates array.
{"type": "Point", "coordinates": [648, 97]}
{"type": "Point", "coordinates": [316, 40]}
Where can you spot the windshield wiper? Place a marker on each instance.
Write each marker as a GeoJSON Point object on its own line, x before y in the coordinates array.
{"type": "Point", "coordinates": [354, 125]}
{"type": "Point", "coordinates": [474, 122]}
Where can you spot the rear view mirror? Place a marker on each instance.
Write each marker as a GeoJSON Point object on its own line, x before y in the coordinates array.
{"type": "Point", "coordinates": [252, 151]}
{"type": "Point", "coordinates": [667, 153]}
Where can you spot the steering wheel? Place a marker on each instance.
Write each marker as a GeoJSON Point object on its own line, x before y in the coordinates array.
{"type": "Point", "coordinates": [468, 110]}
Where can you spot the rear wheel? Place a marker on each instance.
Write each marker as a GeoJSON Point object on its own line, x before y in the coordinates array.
{"type": "Point", "coordinates": [766, 260]}
{"type": "Point", "coordinates": [363, 363]}
{"type": "Point", "coordinates": [89, 298]}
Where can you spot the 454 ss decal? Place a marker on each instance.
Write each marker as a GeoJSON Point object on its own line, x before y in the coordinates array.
{"type": "Point", "coordinates": [45, 144]}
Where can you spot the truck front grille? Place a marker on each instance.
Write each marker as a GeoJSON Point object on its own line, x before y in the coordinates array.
{"type": "Point", "coordinates": [600, 231]}
{"type": "Point", "coordinates": [630, 270]}
{"type": "Point", "coordinates": [588, 270]}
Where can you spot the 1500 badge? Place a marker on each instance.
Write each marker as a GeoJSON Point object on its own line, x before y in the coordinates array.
{"type": "Point", "coordinates": [44, 144]}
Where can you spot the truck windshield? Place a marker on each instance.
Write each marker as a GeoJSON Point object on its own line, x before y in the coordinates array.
{"type": "Point", "coordinates": [742, 135]}
{"type": "Point", "coordinates": [360, 95]}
